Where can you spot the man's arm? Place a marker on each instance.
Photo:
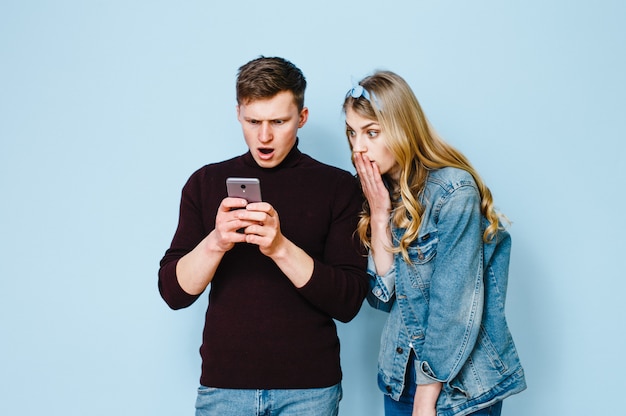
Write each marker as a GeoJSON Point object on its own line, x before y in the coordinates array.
{"type": "Point", "coordinates": [189, 265]}
{"type": "Point", "coordinates": [196, 269]}
{"type": "Point", "coordinates": [336, 283]}
{"type": "Point", "coordinates": [265, 232]}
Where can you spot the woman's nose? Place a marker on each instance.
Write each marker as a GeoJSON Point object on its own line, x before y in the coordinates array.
{"type": "Point", "coordinates": [358, 145]}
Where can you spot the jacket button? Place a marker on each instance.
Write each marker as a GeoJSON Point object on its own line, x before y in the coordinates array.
{"type": "Point", "coordinates": [399, 350]}
{"type": "Point", "coordinates": [388, 388]}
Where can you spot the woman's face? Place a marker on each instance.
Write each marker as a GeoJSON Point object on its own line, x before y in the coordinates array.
{"type": "Point", "coordinates": [367, 138]}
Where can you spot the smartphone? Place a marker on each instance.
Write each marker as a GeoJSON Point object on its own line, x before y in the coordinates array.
{"type": "Point", "coordinates": [246, 188]}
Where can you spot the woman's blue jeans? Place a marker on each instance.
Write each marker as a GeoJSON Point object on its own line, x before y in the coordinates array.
{"type": "Point", "coordinates": [289, 402]}
{"type": "Point", "coordinates": [404, 406]}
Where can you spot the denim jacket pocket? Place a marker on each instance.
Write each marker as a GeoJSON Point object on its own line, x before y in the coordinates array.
{"type": "Point", "coordinates": [421, 253]}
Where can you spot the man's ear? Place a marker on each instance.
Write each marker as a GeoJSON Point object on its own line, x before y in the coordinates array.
{"type": "Point", "coordinates": [304, 116]}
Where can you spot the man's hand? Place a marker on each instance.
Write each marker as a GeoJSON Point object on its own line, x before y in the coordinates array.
{"type": "Point", "coordinates": [229, 219]}
{"type": "Point", "coordinates": [196, 269]}
{"type": "Point", "coordinates": [262, 227]}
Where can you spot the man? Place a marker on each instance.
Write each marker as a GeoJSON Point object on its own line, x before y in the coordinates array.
{"type": "Point", "coordinates": [279, 270]}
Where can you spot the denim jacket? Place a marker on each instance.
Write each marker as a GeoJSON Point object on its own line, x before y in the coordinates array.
{"type": "Point", "coordinates": [448, 305]}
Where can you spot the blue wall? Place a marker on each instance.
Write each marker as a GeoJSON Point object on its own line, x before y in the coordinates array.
{"type": "Point", "coordinates": [107, 107]}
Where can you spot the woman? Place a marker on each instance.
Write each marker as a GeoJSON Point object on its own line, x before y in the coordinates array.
{"type": "Point", "coordinates": [438, 260]}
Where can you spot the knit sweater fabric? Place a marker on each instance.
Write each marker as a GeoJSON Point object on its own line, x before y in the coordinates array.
{"type": "Point", "coordinates": [261, 332]}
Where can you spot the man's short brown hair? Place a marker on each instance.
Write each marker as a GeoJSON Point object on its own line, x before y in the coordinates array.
{"type": "Point", "coordinates": [263, 78]}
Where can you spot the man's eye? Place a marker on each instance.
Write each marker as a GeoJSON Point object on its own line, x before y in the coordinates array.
{"type": "Point", "coordinates": [279, 121]}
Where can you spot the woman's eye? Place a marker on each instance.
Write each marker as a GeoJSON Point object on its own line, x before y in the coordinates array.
{"type": "Point", "coordinates": [372, 133]}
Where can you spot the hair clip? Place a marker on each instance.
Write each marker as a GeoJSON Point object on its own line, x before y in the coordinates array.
{"type": "Point", "coordinates": [358, 91]}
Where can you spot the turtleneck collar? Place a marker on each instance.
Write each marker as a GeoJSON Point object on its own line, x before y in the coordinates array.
{"type": "Point", "coordinates": [290, 160]}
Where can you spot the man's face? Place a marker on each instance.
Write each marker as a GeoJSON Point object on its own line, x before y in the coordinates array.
{"type": "Point", "coordinates": [270, 127]}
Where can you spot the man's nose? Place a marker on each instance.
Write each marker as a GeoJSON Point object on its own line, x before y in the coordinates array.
{"type": "Point", "coordinates": [265, 132]}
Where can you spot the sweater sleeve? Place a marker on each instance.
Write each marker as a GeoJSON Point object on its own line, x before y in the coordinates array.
{"type": "Point", "coordinates": [339, 281]}
{"type": "Point", "coordinates": [189, 233]}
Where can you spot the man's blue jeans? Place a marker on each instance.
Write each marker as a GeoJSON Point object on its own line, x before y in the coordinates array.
{"type": "Point", "coordinates": [291, 402]}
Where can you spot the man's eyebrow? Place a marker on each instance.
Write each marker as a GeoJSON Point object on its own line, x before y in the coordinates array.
{"type": "Point", "coordinates": [267, 119]}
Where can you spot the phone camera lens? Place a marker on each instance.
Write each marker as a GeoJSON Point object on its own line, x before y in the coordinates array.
{"type": "Point", "coordinates": [243, 186]}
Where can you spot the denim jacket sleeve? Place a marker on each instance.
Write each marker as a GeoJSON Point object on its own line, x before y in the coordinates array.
{"type": "Point", "coordinates": [456, 287]}
{"type": "Point", "coordinates": [382, 288]}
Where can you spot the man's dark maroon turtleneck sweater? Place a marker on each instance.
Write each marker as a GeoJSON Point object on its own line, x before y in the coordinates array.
{"type": "Point", "coordinates": [260, 331]}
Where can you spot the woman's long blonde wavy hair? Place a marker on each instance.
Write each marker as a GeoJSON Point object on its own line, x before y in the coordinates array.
{"type": "Point", "coordinates": [417, 149]}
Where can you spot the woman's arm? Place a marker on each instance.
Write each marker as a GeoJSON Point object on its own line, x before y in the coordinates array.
{"type": "Point", "coordinates": [380, 207]}
{"type": "Point", "coordinates": [425, 399]}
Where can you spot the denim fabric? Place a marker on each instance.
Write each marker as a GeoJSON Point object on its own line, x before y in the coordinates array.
{"type": "Point", "coordinates": [290, 402]}
{"type": "Point", "coordinates": [404, 405]}
{"type": "Point", "coordinates": [455, 289]}
{"type": "Point", "coordinates": [405, 408]}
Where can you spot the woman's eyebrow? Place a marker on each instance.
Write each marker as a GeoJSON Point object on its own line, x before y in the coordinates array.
{"type": "Point", "coordinates": [365, 126]}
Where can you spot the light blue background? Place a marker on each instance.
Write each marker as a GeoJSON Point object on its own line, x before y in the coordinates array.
{"type": "Point", "coordinates": [106, 107]}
